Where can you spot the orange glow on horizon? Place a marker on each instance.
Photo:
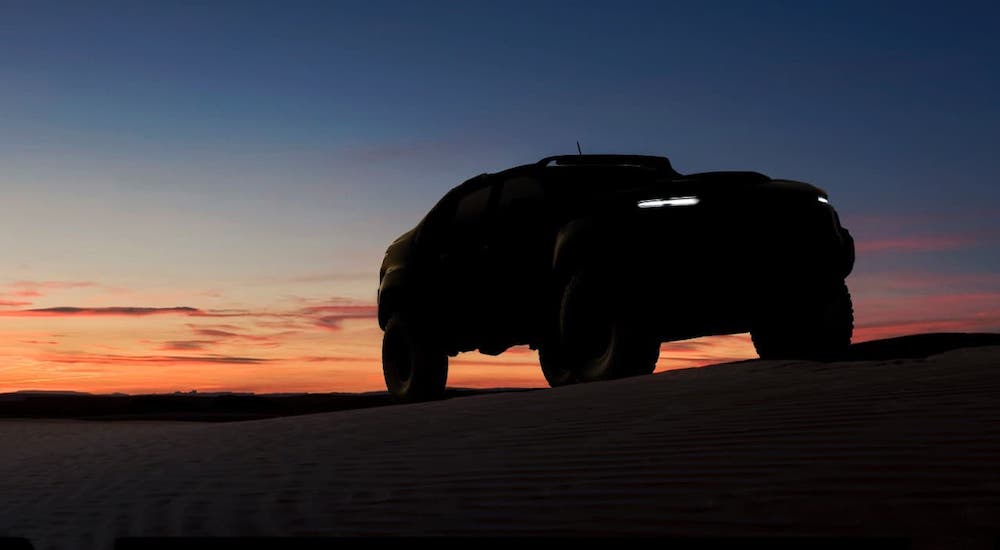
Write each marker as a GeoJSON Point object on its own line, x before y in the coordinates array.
{"type": "Point", "coordinates": [312, 345]}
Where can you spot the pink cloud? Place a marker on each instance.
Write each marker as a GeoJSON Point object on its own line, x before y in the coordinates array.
{"type": "Point", "coordinates": [907, 281]}
{"type": "Point", "coordinates": [168, 360]}
{"type": "Point", "coordinates": [229, 327]}
{"type": "Point", "coordinates": [130, 311]}
{"type": "Point", "coordinates": [329, 317]}
{"type": "Point", "coordinates": [915, 244]}
{"type": "Point", "coordinates": [875, 331]}
{"type": "Point", "coordinates": [100, 311]}
{"type": "Point", "coordinates": [34, 289]}
{"type": "Point", "coordinates": [186, 345]}
{"type": "Point", "coordinates": [51, 285]}
{"type": "Point", "coordinates": [215, 333]}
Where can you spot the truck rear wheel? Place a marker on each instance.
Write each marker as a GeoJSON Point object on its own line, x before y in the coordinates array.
{"type": "Point", "coordinates": [555, 368]}
{"type": "Point", "coordinates": [598, 338]}
{"type": "Point", "coordinates": [414, 368]}
{"type": "Point", "coordinates": [818, 327]}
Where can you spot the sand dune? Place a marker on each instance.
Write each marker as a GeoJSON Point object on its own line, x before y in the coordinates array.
{"type": "Point", "coordinates": [896, 447]}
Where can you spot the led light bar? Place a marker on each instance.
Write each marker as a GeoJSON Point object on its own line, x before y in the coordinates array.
{"type": "Point", "coordinates": [672, 201]}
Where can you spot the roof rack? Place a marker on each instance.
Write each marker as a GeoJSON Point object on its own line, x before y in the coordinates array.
{"type": "Point", "coordinates": [641, 161]}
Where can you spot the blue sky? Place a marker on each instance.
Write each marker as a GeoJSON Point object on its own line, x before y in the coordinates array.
{"type": "Point", "coordinates": [250, 149]}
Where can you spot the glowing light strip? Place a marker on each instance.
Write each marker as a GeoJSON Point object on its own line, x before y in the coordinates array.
{"type": "Point", "coordinates": [823, 200]}
{"type": "Point", "coordinates": [672, 201]}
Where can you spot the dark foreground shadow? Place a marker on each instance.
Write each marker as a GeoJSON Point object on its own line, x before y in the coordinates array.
{"type": "Point", "coordinates": [677, 543]}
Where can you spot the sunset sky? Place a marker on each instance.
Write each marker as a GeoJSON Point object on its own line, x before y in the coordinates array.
{"type": "Point", "coordinates": [197, 195]}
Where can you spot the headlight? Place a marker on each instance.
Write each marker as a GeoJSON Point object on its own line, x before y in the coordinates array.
{"type": "Point", "coordinates": [671, 201]}
{"type": "Point", "coordinates": [823, 200]}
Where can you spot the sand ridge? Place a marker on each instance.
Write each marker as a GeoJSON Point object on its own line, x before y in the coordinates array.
{"type": "Point", "coordinates": [899, 447]}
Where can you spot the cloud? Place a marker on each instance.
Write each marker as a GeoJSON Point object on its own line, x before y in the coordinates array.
{"type": "Point", "coordinates": [228, 327]}
{"type": "Point", "coordinates": [130, 311]}
{"type": "Point", "coordinates": [917, 280]}
{"type": "Point", "coordinates": [888, 329]}
{"type": "Point", "coordinates": [283, 324]}
{"type": "Point", "coordinates": [335, 359]}
{"type": "Point", "coordinates": [493, 363]}
{"type": "Point", "coordinates": [212, 335]}
{"type": "Point", "coordinates": [139, 360]}
{"type": "Point", "coordinates": [917, 306]}
{"type": "Point", "coordinates": [101, 311]}
{"type": "Point", "coordinates": [50, 285]}
{"type": "Point", "coordinates": [915, 244]}
{"type": "Point", "coordinates": [230, 334]}
{"type": "Point", "coordinates": [215, 333]}
{"type": "Point", "coordinates": [329, 317]}
{"type": "Point", "coordinates": [34, 289]}
{"type": "Point", "coordinates": [932, 303]}
{"type": "Point", "coordinates": [186, 345]}
{"type": "Point", "coordinates": [13, 303]}
{"type": "Point", "coordinates": [325, 315]}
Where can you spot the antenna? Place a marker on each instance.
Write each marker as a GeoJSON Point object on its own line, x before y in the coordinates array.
{"type": "Point", "coordinates": [578, 150]}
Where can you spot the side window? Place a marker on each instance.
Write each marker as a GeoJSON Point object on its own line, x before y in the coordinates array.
{"type": "Point", "coordinates": [521, 194]}
{"type": "Point", "coordinates": [472, 208]}
{"type": "Point", "coordinates": [470, 219]}
{"type": "Point", "coordinates": [435, 226]}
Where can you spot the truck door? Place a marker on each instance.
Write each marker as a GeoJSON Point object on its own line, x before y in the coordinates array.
{"type": "Point", "coordinates": [519, 248]}
{"type": "Point", "coordinates": [461, 267]}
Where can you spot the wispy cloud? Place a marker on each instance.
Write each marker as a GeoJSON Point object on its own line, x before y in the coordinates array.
{"type": "Point", "coordinates": [215, 333]}
{"type": "Point", "coordinates": [133, 311]}
{"type": "Point", "coordinates": [15, 294]}
{"type": "Point", "coordinates": [186, 345]}
{"type": "Point", "coordinates": [37, 286]}
{"type": "Point", "coordinates": [888, 329]}
{"type": "Point", "coordinates": [219, 335]}
{"type": "Point", "coordinates": [907, 281]}
{"type": "Point", "coordinates": [67, 311]}
{"type": "Point", "coordinates": [166, 360]}
{"type": "Point", "coordinates": [36, 289]}
{"type": "Point", "coordinates": [330, 317]}
{"type": "Point", "coordinates": [931, 243]}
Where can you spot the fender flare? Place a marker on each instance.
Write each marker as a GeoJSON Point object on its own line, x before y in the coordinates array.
{"type": "Point", "coordinates": [579, 243]}
{"type": "Point", "coordinates": [849, 253]}
{"type": "Point", "coordinates": [391, 294]}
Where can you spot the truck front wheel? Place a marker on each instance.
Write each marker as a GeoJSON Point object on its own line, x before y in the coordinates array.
{"type": "Point", "coordinates": [413, 366]}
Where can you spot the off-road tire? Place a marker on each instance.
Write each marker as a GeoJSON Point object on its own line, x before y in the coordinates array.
{"type": "Point", "coordinates": [415, 369]}
{"type": "Point", "coordinates": [599, 336]}
{"type": "Point", "coordinates": [817, 327]}
{"type": "Point", "coordinates": [555, 368]}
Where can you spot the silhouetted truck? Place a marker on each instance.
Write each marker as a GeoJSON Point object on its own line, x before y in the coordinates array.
{"type": "Point", "coordinates": [594, 260]}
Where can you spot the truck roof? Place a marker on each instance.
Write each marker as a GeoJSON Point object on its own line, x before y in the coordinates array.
{"type": "Point", "coordinates": [660, 164]}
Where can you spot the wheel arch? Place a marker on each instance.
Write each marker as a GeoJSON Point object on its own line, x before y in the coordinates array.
{"type": "Point", "coordinates": [392, 295]}
{"type": "Point", "coordinates": [579, 243]}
